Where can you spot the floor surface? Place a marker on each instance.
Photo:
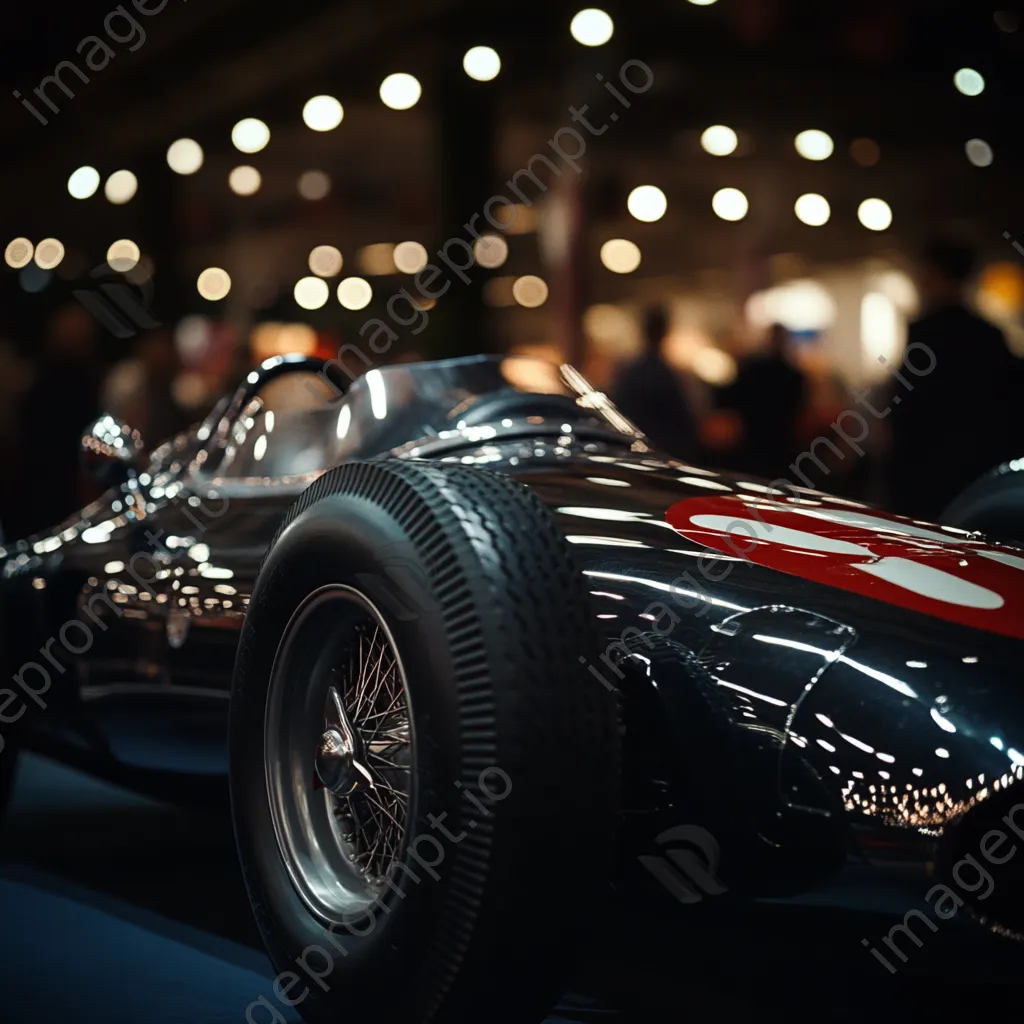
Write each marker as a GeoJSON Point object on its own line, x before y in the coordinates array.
{"type": "Point", "coordinates": [122, 910]}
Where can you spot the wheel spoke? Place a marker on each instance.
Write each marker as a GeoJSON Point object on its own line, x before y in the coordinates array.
{"type": "Point", "coordinates": [376, 803]}
{"type": "Point", "coordinates": [366, 673]}
{"type": "Point", "coordinates": [380, 676]}
{"type": "Point", "coordinates": [388, 712]}
{"type": "Point", "coordinates": [389, 764]}
{"type": "Point", "coordinates": [371, 701]}
{"type": "Point", "coordinates": [396, 735]}
{"type": "Point", "coordinates": [400, 798]}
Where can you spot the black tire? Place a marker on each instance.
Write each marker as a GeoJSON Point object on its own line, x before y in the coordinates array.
{"type": "Point", "coordinates": [494, 654]}
{"type": "Point", "coordinates": [993, 504]}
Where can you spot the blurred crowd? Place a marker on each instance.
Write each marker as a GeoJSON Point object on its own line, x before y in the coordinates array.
{"type": "Point", "coordinates": [941, 419]}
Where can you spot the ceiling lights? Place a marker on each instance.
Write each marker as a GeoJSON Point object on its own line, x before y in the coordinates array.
{"type": "Point", "coordinates": [647, 203]}
{"type": "Point", "coordinates": [84, 182]}
{"type": "Point", "coordinates": [814, 145]}
{"type": "Point", "coordinates": [250, 135]}
{"type": "Point", "coordinates": [400, 91]}
{"type": "Point", "coordinates": [591, 27]}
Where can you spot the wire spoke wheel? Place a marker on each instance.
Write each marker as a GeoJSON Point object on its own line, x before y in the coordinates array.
{"type": "Point", "coordinates": [419, 772]}
{"type": "Point", "coordinates": [338, 748]}
{"type": "Point", "coordinates": [371, 816]}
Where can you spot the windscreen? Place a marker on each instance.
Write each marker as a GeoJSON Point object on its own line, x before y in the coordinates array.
{"type": "Point", "coordinates": [298, 424]}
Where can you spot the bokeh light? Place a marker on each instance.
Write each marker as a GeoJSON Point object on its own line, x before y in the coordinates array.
{"type": "Point", "coordinates": [355, 293]}
{"type": "Point", "coordinates": [875, 214]}
{"type": "Point", "coordinates": [1000, 294]}
{"type": "Point", "coordinates": [814, 144]}
{"type": "Point", "coordinates": [409, 257]}
{"type": "Point", "coordinates": [123, 255]}
{"type": "Point", "coordinates": [592, 27]}
{"type": "Point", "coordinates": [490, 251]}
{"type": "Point", "coordinates": [250, 135]}
{"type": "Point", "coordinates": [214, 284]}
{"type": "Point", "coordinates": [192, 337]}
{"type": "Point", "coordinates": [969, 82]}
{"type": "Point", "coordinates": [18, 253]}
{"type": "Point", "coordinates": [900, 288]}
{"type": "Point", "coordinates": [49, 253]}
{"type": "Point", "coordinates": [377, 259]}
{"type": "Point", "coordinates": [272, 338]}
{"type": "Point", "coordinates": [865, 152]}
{"type": "Point", "coordinates": [1006, 21]}
{"type": "Point", "coordinates": [730, 204]}
{"type": "Point", "coordinates": [400, 91]}
{"type": "Point", "coordinates": [620, 255]}
{"type": "Point", "coordinates": [311, 292]}
{"type": "Point", "coordinates": [530, 291]}
{"type": "Point", "coordinates": [799, 305]}
{"type": "Point", "coordinates": [245, 180]}
{"type": "Point", "coordinates": [314, 185]}
{"type": "Point", "coordinates": [481, 63]}
{"type": "Point", "coordinates": [647, 203]}
{"type": "Point", "coordinates": [611, 331]}
{"type": "Point", "coordinates": [33, 279]}
{"type": "Point", "coordinates": [979, 152]}
{"type": "Point", "coordinates": [185, 156]}
{"type": "Point", "coordinates": [83, 182]}
{"type": "Point", "coordinates": [325, 260]}
{"type": "Point", "coordinates": [121, 187]}
{"type": "Point", "coordinates": [322, 113]}
{"type": "Point", "coordinates": [719, 140]}
{"type": "Point", "coordinates": [881, 336]}
{"type": "Point", "coordinates": [713, 366]}
{"type": "Point", "coordinates": [812, 209]}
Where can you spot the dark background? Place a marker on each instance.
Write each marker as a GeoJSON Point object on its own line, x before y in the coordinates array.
{"type": "Point", "coordinates": [877, 77]}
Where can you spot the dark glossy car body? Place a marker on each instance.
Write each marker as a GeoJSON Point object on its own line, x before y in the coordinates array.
{"type": "Point", "coordinates": [818, 685]}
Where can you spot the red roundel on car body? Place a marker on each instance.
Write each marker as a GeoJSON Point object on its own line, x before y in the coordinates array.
{"type": "Point", "coordinates": [932, 569]}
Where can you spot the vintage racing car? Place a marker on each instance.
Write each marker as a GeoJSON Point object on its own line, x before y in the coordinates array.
{"type": "Point", "coordinates": [460, 627]}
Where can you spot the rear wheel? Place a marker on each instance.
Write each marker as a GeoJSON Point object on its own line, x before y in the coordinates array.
{"type": "Point", "coordinates": [417, 753]}
{"type": "Point", "coordinates": [993, 504]}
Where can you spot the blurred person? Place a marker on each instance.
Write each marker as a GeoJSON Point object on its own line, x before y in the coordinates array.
{"type": "Point", "coordinates": [651, 394]}
{"type": "Point", "coordinates": [769, 396]}
{"type": "Point", "coordinates": [959, 419]}
{"type": "Point", "coordinates": [138, 390]}
{"type": "Point", "coordinates": [62, 400]}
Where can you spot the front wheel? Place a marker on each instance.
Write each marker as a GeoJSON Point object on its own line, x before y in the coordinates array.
{"type": "Point", "coordinates": [424, 779]}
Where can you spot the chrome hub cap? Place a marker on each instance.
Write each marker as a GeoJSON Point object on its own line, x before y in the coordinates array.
{"type": "Point", "coordinates": [339, 745]}
{"type": "Point", "coordinates": [334, 764]}
{"type": "Point", "coordinates": [335, 761]}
